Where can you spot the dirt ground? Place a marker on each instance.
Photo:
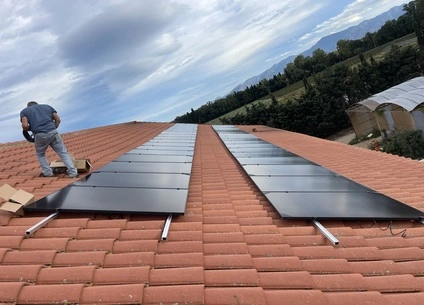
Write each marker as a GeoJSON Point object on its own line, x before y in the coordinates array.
{"type": "Point", "coordinates": [348, 135]}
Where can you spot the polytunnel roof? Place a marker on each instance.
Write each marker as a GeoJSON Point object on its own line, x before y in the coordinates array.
{"type": "Point", "coordinates": [407, 95]}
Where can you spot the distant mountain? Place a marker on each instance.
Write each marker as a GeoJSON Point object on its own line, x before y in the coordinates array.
{"type": "Point", "coordinates": [328, 44]}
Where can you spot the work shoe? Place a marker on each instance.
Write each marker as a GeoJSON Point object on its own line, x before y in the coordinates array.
{"type": "Point", "coordinates": [73, 176]}
{"type": "Point", "coordinates": [43, 175]}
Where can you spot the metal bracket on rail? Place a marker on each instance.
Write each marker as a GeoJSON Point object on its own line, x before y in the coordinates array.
{"type": "Point", "coordinates": [40, 224]}
{"type": "Point", "coordinates": [166, 227]}
{"type": "Point", "coordinates": [325, 232]}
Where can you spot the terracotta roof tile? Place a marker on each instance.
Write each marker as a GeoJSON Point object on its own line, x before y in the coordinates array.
{"type": "Point", "coordinates": [395, 283]}
{"type": "Point", "coordinates": [70, 222]}
{"type": "Point", "coordinates": [339, 282]}
{"type": "Point", "coordinates": [9, 292]}
{"type": "Point", "coordinates": [231, 278]}
{"type": "Point", "coordinates": [79, 259]}
{"type": "Point", "coordinates": [43, 257]}
{"type": "Point", "coordinates": [309, 240]}
{"type": "Point", "coordinates": [295, 297]}
{"type": "Point", "coordinates": [135, 246]}
{"type": "Point", "coordinates": [277, 263]}
{"type": "Point", "coordinates": [233, 237]}
{"type": "Point", "coordinates": [101, 224]}
{"type": "Point", "coordinates": [286, 280]}
{"type": "Point", "coordinates": [208, 220]}
{"type": "Point", "coordinates": [184, 236]}
{"type": "Point", "coordinates": [3, 252]}
{"type": "Point", "coordinates": [106, 233]}
{"type": "Point", "coordinates": [121, 276]}
{"type": "Point", "coordinates": [58, 244]}
{"type": "Point", "coordinates": [371, 268]}
{"type": "Point", "coordinates": [145, 225]}
{"type": "Point", "coordinates": [179, 247]}
{"type": "Point", "coordinates": [129, 259]}
{"type": "Point", "coordinates": [176, 276]}
{"type": "Point", "coordinates": [270, 250]}
{"type": "Point", "coordinates": [415, 268]}
{"type": "Point", "coordinates": [326, 266]}
{"type": "Point", "coordinates": [352, 241]}
{"type": "Point", "coordinates": [225, 248]}
{"type": "Point", "coordinates": [234, 261]}
{"type": "Point", "coordinates": [20, 273]}
{"type": "Point", "coordinates": [50, 294]}
{"type": "Point", "coordinates": [140, 234]}
{"type": "Point", "coordinates": [113, 294]}
{"type": "Point", "coordinates": [66, 275]}
{"type": "Point", "coordinates": [229, 235]}
{"type": "Point", "coordinates": [403, 254]}
{"type": "Point", "coordinates": [315, 252]}
{"type": "Point", "coordinates": [405, 298]}
{"type": "Point", "coordinates": [178, 260]}
{"type": "Point", "coordinates": [66, 232]}
{"type": "Point", "coordinates": [178, 294]}
{"type": "Point", "coordinates": [90, 245]}
{"type": "Point", "coordinates": [12, 242]}
{"type": "Point", "coordinates": [5, 216]}
{"type": "Point", "coordinates": [354, 298]}
{"type": "Point", "coordinates": [13, 230]}
{"type": "Point", "coordinates": [360, 254]}
{"type": "Point", "coordinates": [221, 228]}
{"type": "Point", "coordinates": [236, 295]}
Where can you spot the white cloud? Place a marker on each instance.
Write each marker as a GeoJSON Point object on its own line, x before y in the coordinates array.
{"type": "Point", "coordinates": [152, 60]}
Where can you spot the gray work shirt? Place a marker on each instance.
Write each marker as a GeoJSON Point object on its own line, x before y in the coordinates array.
{"type": "Point", "coordinates": [39, 118]}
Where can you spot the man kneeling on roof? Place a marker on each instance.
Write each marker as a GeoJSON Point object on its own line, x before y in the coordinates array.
{"type": "Point", "coordinates": [42, 120]}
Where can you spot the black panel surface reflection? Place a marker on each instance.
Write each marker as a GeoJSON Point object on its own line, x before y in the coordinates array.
{"type": "Point", "coordinates": [139, 180]}
{"type": "Point", "coordinates": [169, 145]}
{"type": "Point", "coordinates": [273, 160]}
{"type": "Point", "coordinates": [287, 170]}
{"type": "Point", "coordinates": [139, 167]}
{"type": "Point", "coordinates": [166, 148]}
{"type": "Point", "coordinates": [257, 150]}
{"type": "Point", "coordinates": [165, 152]}
{"type": "Point", "coordinates": [233, 147]}
{"type": "Point", "coordinates": [347, 206]}
{"type": "Point", "coordinates": [307, 184]}
{"type": "Point", "coordinates": [280, 153]}
{"type": "Point", "coordinates": [113, 200]}
{"type": "Point", "coordinates": [134, 157]}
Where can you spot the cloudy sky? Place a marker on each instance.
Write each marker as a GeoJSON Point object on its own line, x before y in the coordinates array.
{"type": "Point", "coordinates": [101, 62]}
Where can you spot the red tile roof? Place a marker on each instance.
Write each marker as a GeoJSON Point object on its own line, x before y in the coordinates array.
{"type": "Point", "coordinates": [230, 247]}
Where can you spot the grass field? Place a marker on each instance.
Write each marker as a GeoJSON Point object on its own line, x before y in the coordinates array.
{"type": "Point", "coordinates": [296, 89]}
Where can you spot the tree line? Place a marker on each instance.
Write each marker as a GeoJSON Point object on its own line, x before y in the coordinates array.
{"type": "Point", "coordinates": [320, 110]}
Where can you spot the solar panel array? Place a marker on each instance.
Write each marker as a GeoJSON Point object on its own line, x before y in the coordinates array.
{"type": "Point", "coordinates": [301, 189]}
{"type": "Point", "coordinates": [152, 178]}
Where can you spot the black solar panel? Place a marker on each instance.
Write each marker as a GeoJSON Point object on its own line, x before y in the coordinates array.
{"type": "Point", "coordinates": [74, 198]}
{"type": "Point", "coordinates": [287, 170]}
{"type": "Point", "coordinates": [301, 189]}
{"type": "Point", "coordinates": [143, 167]}
{"type": "Point", "coordinates": [153, 178]}
{"type": "Point", "coordinates": [135, 180]}
{"type": "Point", "coordinates": [135, 157]}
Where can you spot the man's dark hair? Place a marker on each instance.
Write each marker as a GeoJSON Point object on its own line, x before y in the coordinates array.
{"type": "Point", "coordinates": [32, 103]}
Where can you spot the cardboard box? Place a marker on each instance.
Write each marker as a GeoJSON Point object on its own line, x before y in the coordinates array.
{"type": "Point", "coordinates": [15, 199]}
{"type": "Point", "coordinates": [82, 165]}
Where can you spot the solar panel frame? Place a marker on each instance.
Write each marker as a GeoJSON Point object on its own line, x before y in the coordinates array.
{"type": "Point", "coordinates": [150, 179]}
{"type": "Point", "coordinates": [299, 195]}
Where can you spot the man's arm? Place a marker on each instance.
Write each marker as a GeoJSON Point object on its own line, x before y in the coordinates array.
{"type": "Point", "coordinates": [56, 119]}
{"type": "Point", "coordinates": [25, 125]}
